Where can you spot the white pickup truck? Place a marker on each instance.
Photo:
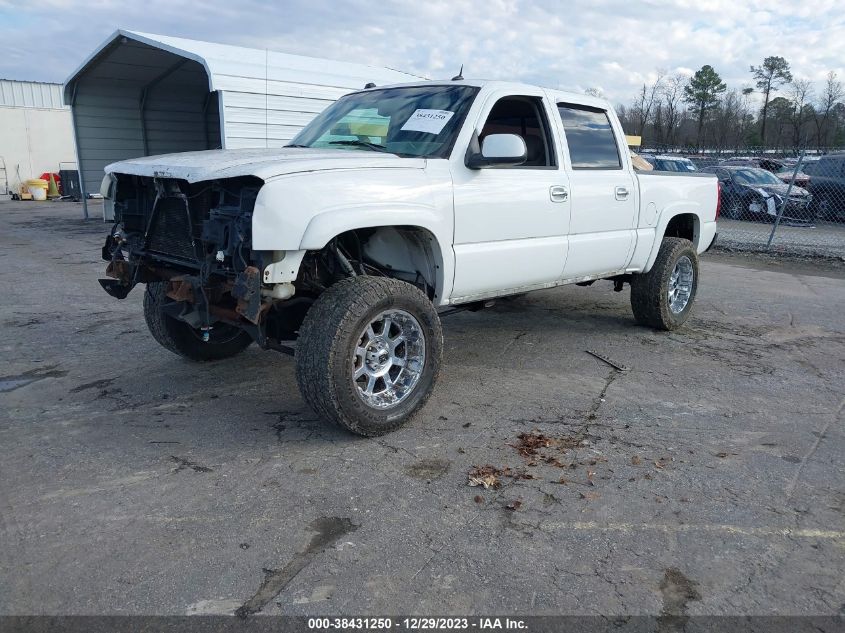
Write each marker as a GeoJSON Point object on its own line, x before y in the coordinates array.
{"type": "Point", "coordinates": [393, 206]}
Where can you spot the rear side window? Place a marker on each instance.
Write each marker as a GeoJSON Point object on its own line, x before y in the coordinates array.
{"type": "Point", "coordinates": [592, 144]}
{"type": "Point", "coordinates": [826, 167]}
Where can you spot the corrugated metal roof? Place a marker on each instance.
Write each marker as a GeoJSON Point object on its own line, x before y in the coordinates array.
{"type": "Point", "coordinates": [31, 94]}
{"type": "Point", "coordinates": [258, 70]}
{"type": "Point", "coordinates": [141, 94]}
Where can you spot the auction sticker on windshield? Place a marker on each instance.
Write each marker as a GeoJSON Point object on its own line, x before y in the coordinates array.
{"type": "Point", "coordinates": [431, 121]}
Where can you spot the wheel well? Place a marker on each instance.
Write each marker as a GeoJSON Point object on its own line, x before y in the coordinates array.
{"type": "Point", "coordinates": [407, 253]}
{"type": "Point", "coordinates": [684, 225]}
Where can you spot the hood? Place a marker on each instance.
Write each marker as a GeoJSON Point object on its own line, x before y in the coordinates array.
{"type": "Point", "coordinates": [263, 163]}
{"type": "Point", "coordinates": [779, 189]}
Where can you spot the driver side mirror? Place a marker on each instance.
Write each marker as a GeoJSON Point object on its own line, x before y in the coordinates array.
{"type": "Point", "coordinates": [497, 149]}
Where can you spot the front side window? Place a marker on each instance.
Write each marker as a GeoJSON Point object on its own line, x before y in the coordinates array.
{"type": "Point", "coordinates": [418, 121]}
{"type": "Point", "coordinates": [592, 144]}
{"type": "Point", "coordinates": [525, 117]}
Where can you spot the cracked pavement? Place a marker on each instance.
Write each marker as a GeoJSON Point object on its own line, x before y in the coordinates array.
{"type": "Point", "coordinates": [708, 479]}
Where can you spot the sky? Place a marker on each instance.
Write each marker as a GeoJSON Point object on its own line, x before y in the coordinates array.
{"type": "Point", "coordinates": [612, 45]}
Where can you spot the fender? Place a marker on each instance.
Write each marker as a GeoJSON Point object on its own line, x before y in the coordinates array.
{"type": "Point", "coordinates": [302, 212]}
{"type": "Point", "coordinates": [328, 224]}
{"type": "Point", "coordinates": [671, 211]}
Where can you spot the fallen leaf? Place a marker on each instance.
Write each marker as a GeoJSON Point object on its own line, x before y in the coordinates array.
{"type": "Point", "coordinates": [487, 476]}
{"type": "Point", "coordinates": [488, 481]}
{"type": "Point", "coordinates": [478, 499]}
{"type": "Point", "coordinates": [516, 504]}
{"type": "Point", "coordinates": [635, 460]}
{"type": "Point", "coordinates": [589, 496]}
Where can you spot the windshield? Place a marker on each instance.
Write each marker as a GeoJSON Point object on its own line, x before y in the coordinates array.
{"type": "Point", "coordinates": [755, 177]}
{"type": "Point", "coordinates": [419, 121]}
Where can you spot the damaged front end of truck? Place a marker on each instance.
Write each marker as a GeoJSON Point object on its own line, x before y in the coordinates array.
{"type": "Point", "coordinates": [195, 239]}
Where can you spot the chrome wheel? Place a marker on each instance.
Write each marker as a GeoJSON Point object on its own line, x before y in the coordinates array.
{"type": "Point", "coordinates": [680, 285]}
{"type": "Point", "coordinates": [389, 358]}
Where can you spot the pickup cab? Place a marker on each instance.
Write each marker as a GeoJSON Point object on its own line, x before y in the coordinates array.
{"type": "Point", "coordinates": [394, 206]}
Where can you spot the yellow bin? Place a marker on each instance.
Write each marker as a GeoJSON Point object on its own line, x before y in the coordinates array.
{"type": "Point", "coordinates": [38, 188]}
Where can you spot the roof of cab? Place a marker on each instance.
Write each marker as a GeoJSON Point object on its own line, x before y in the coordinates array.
{"type": "Point", "coordinates": [509, 86]}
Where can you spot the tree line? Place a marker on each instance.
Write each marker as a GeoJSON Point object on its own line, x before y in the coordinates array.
{"type": "Point", "coordinates": [701, 111]}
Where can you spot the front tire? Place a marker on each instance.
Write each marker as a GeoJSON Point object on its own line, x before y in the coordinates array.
{"type": "Point", "coordinates": [180, 338]}
{"type": "Point", "coordinates": [369, 354]}
{"type": "Point", "coordinates": [733, 208]}
{"type": "Point", "coordinates": [662, 298]}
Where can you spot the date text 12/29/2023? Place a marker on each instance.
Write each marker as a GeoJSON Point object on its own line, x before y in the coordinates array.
{"type": "Point", "coordinates": [417, 624]}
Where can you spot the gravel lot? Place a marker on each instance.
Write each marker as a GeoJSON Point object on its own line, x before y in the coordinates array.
{"type": "Point", "coordinates": [708, 479]}
{"type": "Point", "coordinates": [824, 239]}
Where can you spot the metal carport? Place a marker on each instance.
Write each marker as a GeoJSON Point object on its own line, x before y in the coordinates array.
{"type": "Point", "coordinates": [140, 94]}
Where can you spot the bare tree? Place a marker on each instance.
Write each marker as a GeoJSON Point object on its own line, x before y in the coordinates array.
{"type": "Point", "coordinates": [747, 117]}
{"type": "Point", "coordinates": [673, 96]}
{"type": "Point", "coordinates": [832, 94]}
{"type": "Point", "coordinates": [646, 99]}
{"type": "Point", "coordinates": [801, 93]}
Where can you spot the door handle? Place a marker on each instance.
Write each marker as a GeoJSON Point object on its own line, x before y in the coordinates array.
{"type": "Point", "coordinates": [622, 193]}
{"type": "Point", "coordinates": [558, 193]}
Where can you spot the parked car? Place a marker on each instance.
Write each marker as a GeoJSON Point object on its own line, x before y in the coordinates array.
{"type": "Point", "coordinates": [437, 195]}
{"type": "Point", "coordinates": [827, 184]}
{"type": "Point", "coordinates": [750, 193]}
{"type": "Point", "coordinates": [671, 163]}
{"type": "Point", "coordinates": [768, 164]}
{"type": "Point", "coordinates": [785, 175]}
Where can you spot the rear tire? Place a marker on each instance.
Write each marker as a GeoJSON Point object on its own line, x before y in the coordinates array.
{"type": "Point", "coordinates": [180, 338]}
{"type": "Point", "coordinates": [662, 298]}
{"type": "Point", "coordinates": [369, 354]}
{"type": "Point", "coordinates": [821, 208]}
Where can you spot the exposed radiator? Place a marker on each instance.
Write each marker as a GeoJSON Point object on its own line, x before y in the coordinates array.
{"type": "Point", "coordinates": [172, 230]}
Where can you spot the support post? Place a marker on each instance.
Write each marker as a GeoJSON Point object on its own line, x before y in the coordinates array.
{"type": "Point", "coordinates": [785, 200]}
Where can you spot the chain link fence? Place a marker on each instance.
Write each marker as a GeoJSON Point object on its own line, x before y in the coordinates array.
{"type": "Point", "coordinates": [793, 205]}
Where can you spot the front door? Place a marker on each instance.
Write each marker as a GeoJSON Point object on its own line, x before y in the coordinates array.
{"type": "Point", "coordinates": [511, 222]}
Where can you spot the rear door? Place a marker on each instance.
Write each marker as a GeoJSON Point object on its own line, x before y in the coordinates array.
{"type": "Point", "coordinates": [827, 184]}
{"type": "Point", "coordinates": [603, 193]}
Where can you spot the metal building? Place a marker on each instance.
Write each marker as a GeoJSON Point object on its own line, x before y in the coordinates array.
{"type": "Point", "coordinates": [140, 94]}
{"type": "Point", "coordinates": [36, 134]}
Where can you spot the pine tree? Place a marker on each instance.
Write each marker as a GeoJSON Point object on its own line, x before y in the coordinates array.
{"type": "Point", "coordinates": [702, 93]}
{"type": "Point", "coordinates": [773, 73]}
